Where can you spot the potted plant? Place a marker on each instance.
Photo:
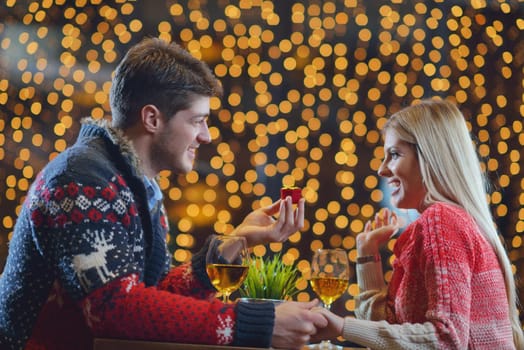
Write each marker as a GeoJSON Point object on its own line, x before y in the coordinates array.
{"type": "Point", "coordinates": [270, 279]}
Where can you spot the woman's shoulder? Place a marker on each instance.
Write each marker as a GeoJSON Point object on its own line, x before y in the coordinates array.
{"type": "Point", "coordinates": [448, 221]}
{"type": "Point", "coordinates": [445, 211]}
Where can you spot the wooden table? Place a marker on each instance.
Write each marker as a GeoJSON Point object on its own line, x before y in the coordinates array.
{"type": "Point", "coordinates": [118, 344]}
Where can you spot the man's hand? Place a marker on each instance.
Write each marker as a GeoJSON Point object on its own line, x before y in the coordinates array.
{"type": "Point", "coordinates": [260, 227]}
{"type": "Point", "coordinates": [295, 323]}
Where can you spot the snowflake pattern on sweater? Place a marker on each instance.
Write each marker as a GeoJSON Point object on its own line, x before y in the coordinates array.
{"type": "Point", "coordinates": [88, 258]}
{"type": "Point", "coordinates": [75, 225]}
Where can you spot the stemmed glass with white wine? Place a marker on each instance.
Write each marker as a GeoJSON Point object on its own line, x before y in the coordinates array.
{"type": "Point", "coordinates": [227, 263]}
{"type": "Point", "coordinates": [329, 280]}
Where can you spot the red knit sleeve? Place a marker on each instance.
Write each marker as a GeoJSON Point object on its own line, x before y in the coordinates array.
{"type": "Point", "coordinates": [181, 280]}
{"type": "Point", "coordinates": [127, 309]}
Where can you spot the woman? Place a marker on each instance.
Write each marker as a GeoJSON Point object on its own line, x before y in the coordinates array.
{"type": "Point", "coordinates": [452, 285]}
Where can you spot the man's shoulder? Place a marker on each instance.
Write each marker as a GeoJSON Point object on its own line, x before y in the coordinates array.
{"type": "Point", "coordinates": [78, 162]}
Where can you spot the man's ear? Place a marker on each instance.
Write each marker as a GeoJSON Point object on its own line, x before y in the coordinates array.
{"type": "Point", "coordinates": [152, 118]}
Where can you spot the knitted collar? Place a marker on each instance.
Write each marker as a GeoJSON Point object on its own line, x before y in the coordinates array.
{"type": "Point", "coordinates": [102, 127]}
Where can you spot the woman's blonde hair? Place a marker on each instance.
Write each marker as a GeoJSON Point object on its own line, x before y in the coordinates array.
{"type": "Point", "coordinates": [452, 173]}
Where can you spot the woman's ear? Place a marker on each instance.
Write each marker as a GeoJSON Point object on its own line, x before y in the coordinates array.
{"type": "Point", "coordinates": [152, 119]}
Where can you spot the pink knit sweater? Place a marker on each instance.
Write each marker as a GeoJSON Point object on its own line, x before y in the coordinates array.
{"type": "Point", "coordinates": [447, 290]}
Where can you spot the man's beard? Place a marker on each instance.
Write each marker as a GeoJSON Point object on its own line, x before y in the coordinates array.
{"type": "Point", "coordinates": [159, 153]}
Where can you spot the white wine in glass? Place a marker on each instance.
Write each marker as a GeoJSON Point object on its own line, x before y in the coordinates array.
{"type": "Point", "coordinates": [329, 280]}
{"type": "Point", "coordinates": [329, 289]}
{"type": "Point", "coordinates": [227, 263]}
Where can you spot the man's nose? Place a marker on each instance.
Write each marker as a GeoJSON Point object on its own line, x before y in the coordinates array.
{"type": "Point", "coordinates": [204, 136]}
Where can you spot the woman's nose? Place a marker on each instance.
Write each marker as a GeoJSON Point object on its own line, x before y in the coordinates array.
{"type": "Point", "coordinates": [383, 169]}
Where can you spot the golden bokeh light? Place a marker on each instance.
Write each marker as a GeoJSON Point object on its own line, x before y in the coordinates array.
{"type": "Point", "coordinates": [307, 88]}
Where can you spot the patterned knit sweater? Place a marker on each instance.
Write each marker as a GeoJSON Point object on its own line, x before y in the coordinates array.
{"type": "Point", "coordinates": [88, 259]}
{"type": "Point", "coordinates": [447, 290]}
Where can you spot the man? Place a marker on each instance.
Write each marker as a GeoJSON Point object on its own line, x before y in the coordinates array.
{"type": "Point", "coordinates": [88, 256]}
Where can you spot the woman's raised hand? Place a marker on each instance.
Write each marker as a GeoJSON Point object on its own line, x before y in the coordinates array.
{"type": "Point", "coordinates": [377, 232]}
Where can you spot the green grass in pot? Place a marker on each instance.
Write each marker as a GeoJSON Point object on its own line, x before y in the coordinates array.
{"type": "Point", "coordinates": [270, 278]}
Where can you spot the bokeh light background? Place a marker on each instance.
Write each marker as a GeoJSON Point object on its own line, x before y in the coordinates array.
{"type": "Point", "coordinates": [308, 85]}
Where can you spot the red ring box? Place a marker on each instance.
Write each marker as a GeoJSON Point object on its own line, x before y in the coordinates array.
{"type": "Point", "coordinates": [294, 192]}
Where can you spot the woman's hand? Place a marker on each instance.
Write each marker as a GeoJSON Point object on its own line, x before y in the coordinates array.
{"type": "Point", "coordinates": [377, 232]}
{"type": "Point", "coordinates": [260, 227]}
{"type": "Point", "coordinates": [333, 328]}
{"type": "Point", "coordinates": [295, 323]}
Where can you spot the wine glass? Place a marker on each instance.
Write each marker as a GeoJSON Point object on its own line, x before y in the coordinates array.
{"type": "Point", "coordinates": [227, 263]}
{"type": "Point", "coordinates": [329, 280]}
